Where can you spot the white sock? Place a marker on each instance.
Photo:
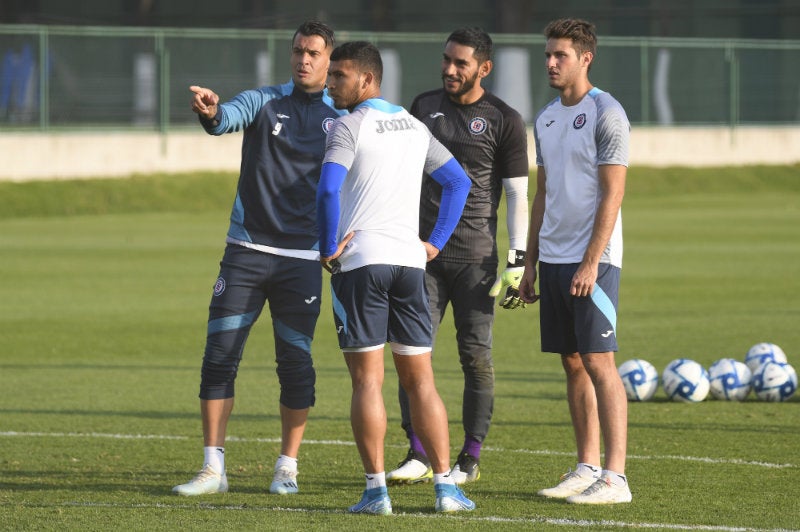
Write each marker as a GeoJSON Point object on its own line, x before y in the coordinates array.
{"type": "Point", "coordinates": [616, 478]}
{"type": "Point", "coordinates": [286, 461]}
{"type": "Point", "coordinates": [588, 470]}
{"type": "Point", "coordinates": [443, 478]}
{"type": "Point", "coordinates": [376, 480]}
{"type": "Point", "coordinates": [215, 457]}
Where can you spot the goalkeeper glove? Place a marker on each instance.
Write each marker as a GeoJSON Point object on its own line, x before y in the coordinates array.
{"type": "Point", "coordinates": [510, 279]}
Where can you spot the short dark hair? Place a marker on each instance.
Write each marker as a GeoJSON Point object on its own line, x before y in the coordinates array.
{"type": "Point", "coordinates": [313, 27]}
{"type": "Point", "coordinates": [580, 32]}
{"type": "Point", "coordinates": [475, 38]}
{"type": "Point", "coordinates": [364, 54]}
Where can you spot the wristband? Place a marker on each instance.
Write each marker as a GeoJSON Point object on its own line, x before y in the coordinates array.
{"type": "Point", "coordinates": [516, 258]}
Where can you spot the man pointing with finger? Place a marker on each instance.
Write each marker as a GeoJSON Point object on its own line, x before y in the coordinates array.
{"type": "Point", "coordinates": [271, 254]}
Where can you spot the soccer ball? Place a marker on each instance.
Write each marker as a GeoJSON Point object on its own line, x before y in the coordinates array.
{"type": "Point", "coordinates": [640, 378]}
{"type": "Point", "coordinates": [729, 379]}
{"type": "Point", "coordinates": [775, 381]}
{"type": "Point", "coordinates": [685, 380]}
{"type": "Point", "coordinates": [763, 352]}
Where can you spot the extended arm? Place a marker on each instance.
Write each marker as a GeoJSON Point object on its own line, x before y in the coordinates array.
{"type": "Point", "coordinates": [234, 115]}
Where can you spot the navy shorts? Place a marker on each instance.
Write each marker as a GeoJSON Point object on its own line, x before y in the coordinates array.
{"type": "Point", "coordinates": [247, 281]}
{"type": "Point", "coordinates": [381, 303]}
{"type": "Point", "coordinates": [572, 324]}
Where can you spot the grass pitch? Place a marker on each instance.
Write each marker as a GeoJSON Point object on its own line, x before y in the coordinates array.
{"type": "Point", "coordinates": [102, 329]}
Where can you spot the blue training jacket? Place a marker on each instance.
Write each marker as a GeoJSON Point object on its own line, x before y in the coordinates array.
{"type": "Point", "coordinates": [284, 142]}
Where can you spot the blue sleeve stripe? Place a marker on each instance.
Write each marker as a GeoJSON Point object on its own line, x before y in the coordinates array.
{"type": "Point", "coordinates": [242, 109]}
{"type": "Point", "coordinates": [330, 182]}
{"type": "Point", "coordinates": [455, 188]}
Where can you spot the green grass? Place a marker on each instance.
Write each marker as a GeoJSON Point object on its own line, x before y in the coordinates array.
{"type": "Point", "coordinates": [102, 326]}
{"type": "Point", "coordinates": [201, 192]}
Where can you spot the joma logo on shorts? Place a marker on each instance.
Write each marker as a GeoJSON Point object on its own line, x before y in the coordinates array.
{"type": "Point", "coordinates": [397, 124]}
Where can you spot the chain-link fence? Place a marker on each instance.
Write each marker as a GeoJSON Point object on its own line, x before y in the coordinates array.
{"type": "Point", "coordinates": [59, 77]}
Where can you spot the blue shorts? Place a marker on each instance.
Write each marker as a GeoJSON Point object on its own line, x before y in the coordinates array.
{"type": "Point", "coordinates": [381, 303]}
{"type": "Point", "coordinates": [247, 281]}
{"type": "Point", "coordinates": [572, 324]}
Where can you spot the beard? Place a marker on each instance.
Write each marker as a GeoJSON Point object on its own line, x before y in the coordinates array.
{"type": "Point", "coordinates": [466, 85]}
{"type": "Point", "coordinates": [346, 97]}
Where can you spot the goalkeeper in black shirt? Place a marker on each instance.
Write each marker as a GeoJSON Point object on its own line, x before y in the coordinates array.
{"type": "Point", "coordinates": [489, 139]}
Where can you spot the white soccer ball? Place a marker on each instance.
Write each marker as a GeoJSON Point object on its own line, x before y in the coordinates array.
{"type": "Point", "coordinates": [640, 379]}
{"type": "Point", "coordinates": [729, 379]}
{"type": "Point", "coordinates": [775, 381]}
{"type": "Point", "coordinates": [763, 352]}
{"type": "Point", "coordinates": [685, 380]}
